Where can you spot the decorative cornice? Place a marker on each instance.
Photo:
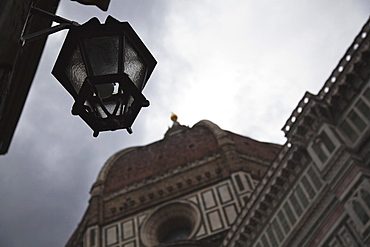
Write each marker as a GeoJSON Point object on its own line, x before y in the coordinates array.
{"type": "Point", "coordinates": [267, 193]}
{"type": "Point", "coordinates": [349, 61]}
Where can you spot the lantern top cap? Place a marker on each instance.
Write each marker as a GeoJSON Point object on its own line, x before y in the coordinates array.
{"type": "Point", "coordinates": [109, 21]}
{"type": "Point", "coordinates": [91, 29]}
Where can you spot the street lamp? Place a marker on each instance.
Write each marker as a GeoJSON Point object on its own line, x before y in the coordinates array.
{"type": "Point", "coordinates": [105, 68]}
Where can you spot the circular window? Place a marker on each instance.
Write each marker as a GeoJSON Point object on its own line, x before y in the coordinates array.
{"type": "Point", "coordinates": [178, 220]}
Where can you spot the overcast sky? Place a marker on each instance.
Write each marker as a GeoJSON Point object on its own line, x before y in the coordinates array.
{"type": "Point", "coordinates": [243, 65]}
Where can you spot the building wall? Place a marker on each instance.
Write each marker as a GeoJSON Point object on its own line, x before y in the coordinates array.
{"type": "Point", "coordinates": [316, 193]}
{"type": "Point", "coordinates": [147, 196]}
{"type": "Point", "coordinates": [18, 63]}
{"type": "Point", "coordinates": [217, 207]}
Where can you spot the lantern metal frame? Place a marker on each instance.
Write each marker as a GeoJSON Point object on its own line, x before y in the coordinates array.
{"type": "Point", "coordinates": [89, 104]}
{"type": "Point", "coordinates": [129, 94]}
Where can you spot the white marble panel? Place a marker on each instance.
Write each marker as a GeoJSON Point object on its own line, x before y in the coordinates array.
{"type": "Point", "coordinates": [141, 219]}
{"type": "Point", "coordinates": [209, 199]}
{"type": "Point", "coordinates": [111, 236]}
{"type": "Point", "coordinates": [215, 220]}
{"type": "Point", "coordinates": [128, 229]}
{"type": "Point", "coordinates": [193, 199]}
{"type": "Point", "coordinates": [231, 213]}
{"type": "Point", "coordinates": [224, 193]}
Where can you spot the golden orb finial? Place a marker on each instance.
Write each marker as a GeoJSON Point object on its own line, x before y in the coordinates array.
{"type": "Point", "coordinates": [173, 117]}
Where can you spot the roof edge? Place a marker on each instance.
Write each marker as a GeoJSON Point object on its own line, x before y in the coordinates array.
{"type": "Point", "coordinates": [220, 134]}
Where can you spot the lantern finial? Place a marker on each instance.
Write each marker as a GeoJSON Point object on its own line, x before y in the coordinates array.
{"type": "Point", "coordinates": [173, 117]}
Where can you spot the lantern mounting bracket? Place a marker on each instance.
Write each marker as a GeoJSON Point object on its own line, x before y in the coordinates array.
{"type": "Point", "coordinates": [63, 24]}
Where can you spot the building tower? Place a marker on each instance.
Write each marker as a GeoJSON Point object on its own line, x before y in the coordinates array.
{"type": "Point", "coordinates": [184, 190]}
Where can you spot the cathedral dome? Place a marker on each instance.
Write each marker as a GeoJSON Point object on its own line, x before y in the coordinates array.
{"type": "Point", "coordinates": [154, 180]}
{"type": "Point", "coordinates": [134, 164]}
{"type": "Point", "coordinates": [180, 146]}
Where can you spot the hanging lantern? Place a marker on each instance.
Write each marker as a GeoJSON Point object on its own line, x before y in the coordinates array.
{"type": "Point", "coordinates": [105, 68]}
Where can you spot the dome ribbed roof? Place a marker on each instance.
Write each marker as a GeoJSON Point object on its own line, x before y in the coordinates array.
{"type": "Point", "coordinates": [253, 148]}
{"type": "Point", "coordinates": [142, 162]}
{"type": "Point", "coordinates": [180, 145]}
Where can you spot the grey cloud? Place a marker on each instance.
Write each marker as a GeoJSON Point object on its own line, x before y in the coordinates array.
{"type": "Point", "coordinates": [53, 160]}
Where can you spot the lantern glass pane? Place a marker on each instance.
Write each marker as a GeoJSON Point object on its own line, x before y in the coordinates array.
{"type": "Point", "coordinates": [129, 103]}
{"type": "Point", "coordinates": [105, 90]}
{"type": "Point", "coordinates": [103, 54]}
{"type": "Point", "coordinates": [97, 108]}
{"type": "Point", "coordinates": [134, 67]}
{"type": "Point", "coordinates": [76, 70]}
{"type": "Point", "coordinates": [99, 112]}
{"type": "Point", "coordinates": [111, 106]}
{"type": "Point", "coordinates": [104, 108]}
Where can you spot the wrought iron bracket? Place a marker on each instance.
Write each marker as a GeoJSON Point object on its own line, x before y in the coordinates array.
{"type": "Point", "coordinates": [63, 24]}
